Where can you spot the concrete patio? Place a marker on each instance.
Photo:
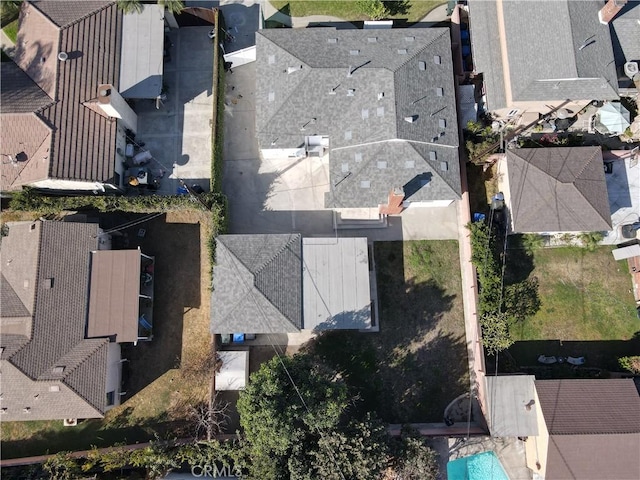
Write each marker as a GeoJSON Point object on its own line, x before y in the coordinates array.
{"type": "Point", "coordinates": [178, 133]}
{"type": "Point", "coordinates": [623, 186]}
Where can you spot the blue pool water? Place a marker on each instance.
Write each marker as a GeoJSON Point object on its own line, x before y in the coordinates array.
{"type": "Point", "coordinates": [482, 466]}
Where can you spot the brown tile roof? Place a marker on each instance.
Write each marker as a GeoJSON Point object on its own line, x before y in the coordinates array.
{"type": "Point", "coordinates": [558, 189]}
{"type": "Point", "coordinates": [594, 457]}
{"type": "Point", "coordinates": [58, 333]}
{"type": "Point", "coordinates": [83, 143]}
{"type": "Point", "coordinates": [29, 136]}
{"type": "Point", "coordinates": [572, 407]}
{"type": "Point", "coordinates": [594, 428]}
{"type": "Point", "coordinates": [20, 94]}
{"type": "Point", "coordinates": [114, 295]}
{"type": "Point", "coordinates": [63, 13]}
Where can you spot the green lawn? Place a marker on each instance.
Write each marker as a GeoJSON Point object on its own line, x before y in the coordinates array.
{"type": "Point", "coordinates": [11, 29]}
{"type": "Point", "coordinates": [585, 296]}
{"type": "Point", "coordinates": [417, 363]}
{"type": "Point", "coordinates": [348, 9]}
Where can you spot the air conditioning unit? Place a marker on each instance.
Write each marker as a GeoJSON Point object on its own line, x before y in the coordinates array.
{"type": "Point", "coordinates": [631, 69]}
{"type": "Point", "coordinates": [70, 422]}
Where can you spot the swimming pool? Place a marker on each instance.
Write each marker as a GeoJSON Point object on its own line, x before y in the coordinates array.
{"type": "Point", "coordinates": [482, 466]}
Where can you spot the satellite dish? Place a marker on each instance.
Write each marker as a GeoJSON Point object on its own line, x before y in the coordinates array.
{"type": "Point", "coordinates": [562, 113]}
{"type": "Point", "coordinates": [63, 56]}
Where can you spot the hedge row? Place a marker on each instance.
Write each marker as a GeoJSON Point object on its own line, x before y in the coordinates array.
{"type": "Point", "coordinates": [217, 121]}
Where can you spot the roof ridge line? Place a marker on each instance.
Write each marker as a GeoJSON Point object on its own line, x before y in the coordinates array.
{"type": "Point", "coordinates": [424, 47]}
{"type": "Point", "coordinates": [86, 357]}
{"type": "Point", "coordinates": [292, 238]}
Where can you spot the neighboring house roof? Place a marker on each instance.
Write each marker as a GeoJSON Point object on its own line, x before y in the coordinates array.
{"type": "Point", "coordinates": [82, 145]}
{"type": "Point", "coordinates": [20, 94]}
{"type": "Point", "coordinates": [625, 34]}
{"type": "Point", "coordinates": [257, 285]}
{"type": "Point", "coordinates": [557, 190]}
{"type": "Point", "coordinates": [594, 428]}
{"type": "Point", "coordinates": [114, 295]}
{"type": "Point", "coordinates": [555, 50]}
{"type": "Point", "coordinates": [335, 282]}
{"type": "Point", "coordinates": [56, 296]}
{"type": "Point", "coordinates": [359, 87]}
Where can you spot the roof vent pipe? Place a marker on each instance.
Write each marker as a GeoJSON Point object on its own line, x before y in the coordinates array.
{"type": "Point", "coordinates": [63, 56]}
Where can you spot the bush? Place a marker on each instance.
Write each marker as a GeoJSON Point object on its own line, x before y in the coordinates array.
{"type": "Point", "coordinates": [217, 126]}
{"type": "Point", "coordinates": [590, 240]}
{"type": "Point", "coordinates": [631, 364]}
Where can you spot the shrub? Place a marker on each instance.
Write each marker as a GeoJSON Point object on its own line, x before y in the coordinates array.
{"type": "Point", "coordinates": [631, 364]}
{"type": "Point", "coordinates": [590, 240]}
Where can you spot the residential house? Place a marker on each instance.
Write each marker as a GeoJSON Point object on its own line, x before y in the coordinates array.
{"type": "Point", "coordinates": [380, 104]}
{"type": "Point", "coordinates": [549, 190]}
{"type": "Point", "coordinates": [68, 303]}
{"type": "Point", "coordinates": [63, 110]}
{"type": "Point", "coordinates": [587, 429]}
{"type": "Point", "coordinates": [536, 56]}
{"type": "Point", "coordinates": [285, 284]}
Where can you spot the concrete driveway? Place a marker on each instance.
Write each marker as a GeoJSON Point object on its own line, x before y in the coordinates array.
{"type": "Point", "coordinates": [178, 133]}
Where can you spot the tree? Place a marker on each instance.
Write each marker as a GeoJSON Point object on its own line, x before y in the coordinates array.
{"type": "Point", "coordinates": [293, 413]}
{"type": "Point", "coordinates": [495, 332]}
{"type": "Point", "coordinates": [521, 300]}
{"type": "Point", "coordinates": [374, 9]}
{"type": "Point", "coordinates": [415, 460]}
{"type": "Point", "coordinates": [630, 363]}
{"type": "Point", "coordinates": [532, 242]}
{"type": "Point", "coordinates": [136, 6]}
{"type": "Point", "coordinates": [590, 240]}
{"type": "Point", "coordinates": [62, 466]}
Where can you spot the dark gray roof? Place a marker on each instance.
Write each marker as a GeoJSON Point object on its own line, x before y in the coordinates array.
{"type": "Point", "coordinates": [543, 41]}
{"type": "Point", "coordinates": [558, 190]}
{"type": "Point", "coordinates": [58, 330]}
{"type": "Point", "coordinates": [12, 305]}
{"type": "Point", "coordinates": [393, 76]}
{"type": "Point", "coordinates": [257, 284]}
{"type": "Point", "coordinates": [594, 428]}
{"type": "Point", "coordinates": [587, 406]}
{"type": "Point", "coordinates": [625, 33]}
{"type": "Point", "coordinates": [19, 94]}
{"type": "Point", "coordinates": [64, 13]}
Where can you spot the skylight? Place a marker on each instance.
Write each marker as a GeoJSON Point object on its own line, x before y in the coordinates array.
{"type": "Point", "coordinates": [365, 184]}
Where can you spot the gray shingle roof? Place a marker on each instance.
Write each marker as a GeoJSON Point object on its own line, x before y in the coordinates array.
{"type": "Point", "coordinates": [625, 33]}
{"type": "Point", "coordinates": [58, 330]}
{"type": "Point", "coordinates": [303, 80]}
{"type": "Point", "coordinates": [558, 189]}
{"type": "Point", "coordinates": [63, 13]}
{"type": "Point", "coordinates": [20, 94]}
{"type": "Point", "coordinates": [257, 284]}
{"type": "Point", "coordinates": [543, 41]}
{"type": "Point", "coordinates": [12, 305]}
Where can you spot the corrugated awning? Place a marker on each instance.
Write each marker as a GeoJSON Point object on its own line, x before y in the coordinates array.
{"type": "Point", "coordinates": [114, 295]}
{"type": "Point", "coordinates": [142, 53]}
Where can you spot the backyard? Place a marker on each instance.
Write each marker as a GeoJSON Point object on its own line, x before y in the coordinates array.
{"type": "Point", "coordinates": [163, 377]}
{"type": "Point", "coordinates": [587, 309]}
{"type": "Point", "coordinates": [413, 11]}
{"type": "Point", "coordinates": [417, 363]}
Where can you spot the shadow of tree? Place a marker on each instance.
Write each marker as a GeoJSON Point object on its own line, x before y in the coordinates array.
{"type": "Point", "coordinates": [413, 367]}
{"type": "Point", "coordinates": [397, 7]}
{"type": "Point", "coordinates": [519, 262]}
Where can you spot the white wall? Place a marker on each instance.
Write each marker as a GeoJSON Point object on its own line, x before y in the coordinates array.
{"type": "Point", "coordinates": [56, 184]}
{"type": "Point", "coordinates": [114, 373]}
{"type": "Point", "coordinates": [431, 204]}
{"type": "Point", "coordinates": [269, 153]}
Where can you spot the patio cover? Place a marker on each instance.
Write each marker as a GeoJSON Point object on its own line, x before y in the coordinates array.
{"type": "Point", "coordinates": [614, 117]}
{"type": "Point", "coordinates": [142, 53]}
{"type": "Point", "coordinates": [626, 252]}
{"type": "Point", "coordinates": [114, 295]}
{"type": "Point", "coordinates": [234, 371]}
{"type": "Point", "coordinates": [335, 281]}
{"type": "Point", "coordinates": [512, 409]}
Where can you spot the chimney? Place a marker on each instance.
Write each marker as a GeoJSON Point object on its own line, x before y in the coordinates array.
{"type": "Point", "coordinates": [112, 103]}
{"type": "Point", "coordinates": [394, 204]}
{"type": "Point", "coordinates": [610, 10]}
